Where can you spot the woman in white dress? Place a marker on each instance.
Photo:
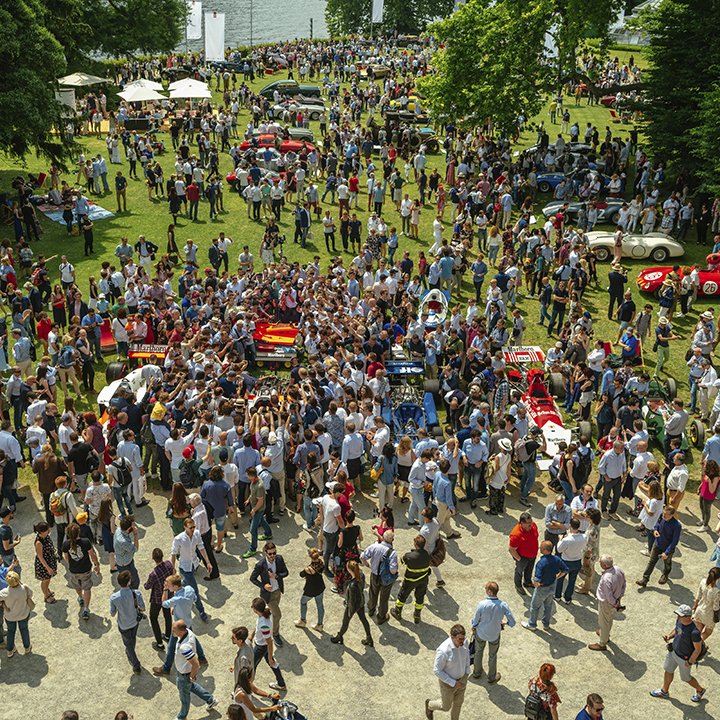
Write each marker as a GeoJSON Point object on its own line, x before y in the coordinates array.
{"type": "Point", "coordinates": [707, 603]}
{"type": "Point", "coordinates": [116, 149]}
{"type": "Point", "coordinates": [635, 210]}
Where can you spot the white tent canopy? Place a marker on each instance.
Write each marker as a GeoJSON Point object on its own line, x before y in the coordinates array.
{"type": "Point", "coordinates": [188, 83]}
{"type": "Point", "coordinates": [190, 92]}
{"type": "Point", "coordinates": [149, 84]}
{"type": "Point", "coordinates": [80, 79]}
{"type": "Point", "coordinates": [140, 94]}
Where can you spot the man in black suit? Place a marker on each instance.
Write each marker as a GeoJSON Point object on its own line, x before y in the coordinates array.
{"type": "Point", "coordinates": [269, 575]}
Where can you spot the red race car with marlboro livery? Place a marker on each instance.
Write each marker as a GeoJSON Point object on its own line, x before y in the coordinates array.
{"type": "Point", "coordinates": [651, 279]}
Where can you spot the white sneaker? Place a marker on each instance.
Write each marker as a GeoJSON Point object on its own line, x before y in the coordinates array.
{"type": "Point", "coordinates": [212, 704]}
{"type": "Point", "coordinates": [699, 523]}
{"type": "Point", "coordinates": [645, 552]}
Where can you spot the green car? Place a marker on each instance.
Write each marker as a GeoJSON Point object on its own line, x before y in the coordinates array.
{"type": "Point", "coordinates": [290, 88]}
{"type": "Point", "coordinates": [659, 397]}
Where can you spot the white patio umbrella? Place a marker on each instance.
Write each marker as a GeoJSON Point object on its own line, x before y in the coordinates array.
{"type": "Point", "coordinates": [190, 92]}
{"type": "Point", "coordinates": [80, 79]}
{"type": "Point", "coordinates": [140, 94]}
{"type": "Point", "coordinates": [150, 84]}
{"type": "Point", "coordinates": [188, 82]}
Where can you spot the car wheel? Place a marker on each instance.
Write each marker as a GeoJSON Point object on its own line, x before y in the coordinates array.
{"type": "Point", "coordinates": [671, 388]}
{"type": "Point", "coordinates": [585, 428]}
{"type": "Point", "coordinates": [432, 146]}
{"type": "Point", "coordinates": [659, 254]}
{"type": "Point", "coordinates": [544, 187]}
{"type": "Point", "coordinates": [614, 218]}
{"type": "Point", "coordinates": [602, 254]}
{"type": "Point", "coordinates": [315, 116]}
{"type": "Point", "coordinates": [696, 434]}
{"type": "Point", "coordinates": [115, 371]}
{"type": "Point", "coordinates": [556, 385]}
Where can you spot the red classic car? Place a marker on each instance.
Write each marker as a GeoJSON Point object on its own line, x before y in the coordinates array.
{"type": "Point", "coordinates": [651, 279]}
{"type": "Point", "coordinates": [286, 146]}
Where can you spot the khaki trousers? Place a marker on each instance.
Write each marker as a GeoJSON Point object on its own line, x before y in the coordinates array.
{"type": "Point", "coordinates": [65, 374]}
{"type": "Point", "coordinates": [274, 605]}
{"type": "Point", "coordinates": [444, 516]}
{"type": "Point", "coordinates": [605, 620]}
{"type": "Point", "coordinates": [451, 699]}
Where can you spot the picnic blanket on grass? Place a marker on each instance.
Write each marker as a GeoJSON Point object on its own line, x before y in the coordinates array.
{"type": "Point", "coordinates": [96, 213]}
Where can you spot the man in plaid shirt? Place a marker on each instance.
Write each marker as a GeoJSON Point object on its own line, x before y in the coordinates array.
{"type": "Point", "coordinates": [156, 584]}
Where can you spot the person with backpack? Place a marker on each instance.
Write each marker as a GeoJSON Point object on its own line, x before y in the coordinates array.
{"type": "Point", "coordinates": [119, 476]}
{"type": "Point", "coordinates": [542, 702]}
{"type": "Point", "coordinates": [63, 508]}
{"type": "Point", "coordinates": [82, 460]}
{"type": "Point", "coordinates": [684, 647]}
{"type": "Point", "coordinates": [382, 560]}
{"type": "Point", "coordinates": [66, 369]}
{"type": "Point", "coordinates": [128, 450]}
{"type": "Point", "coordinates": [526, 450]}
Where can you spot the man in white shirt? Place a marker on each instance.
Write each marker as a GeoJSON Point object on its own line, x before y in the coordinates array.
{"type": "Point", "coordinates": [452, 667]}
{"type": "Point", "coordinates": [571, 549]}
{"type": "Point", "coordinates": [331, 520]}
{"type": "Point", "coordinates": [185, 547]}
{"type": "Point", "coordinates": [581, 504]}
{"type": "Point", "coordinates": [405, 207]}
{"type": "Point", "coordinates": [187, 665]}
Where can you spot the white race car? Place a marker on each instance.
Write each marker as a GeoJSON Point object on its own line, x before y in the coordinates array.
{"type": "Point", "coordinates": [655, 245]}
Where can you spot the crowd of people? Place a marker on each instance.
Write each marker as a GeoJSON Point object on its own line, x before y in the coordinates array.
{"type": "Point", "coordinates": [243, 454]}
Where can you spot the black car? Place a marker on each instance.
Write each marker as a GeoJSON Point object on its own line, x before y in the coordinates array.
{"type": "Point", "coordinates": [224, 65]}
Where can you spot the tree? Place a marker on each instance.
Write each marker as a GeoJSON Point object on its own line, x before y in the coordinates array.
{"type": "Point", "coordinates": [123, 28]}
{"type": "Point", "coordinates": [66, 20]}
{"type": "Point", "coordinates": [31, 60]}
{"type": "Point", "coordinates": [495, 61]}
{"type": "Point", "coordinates": [345, 17]}
{"type": "Point", "coordinates": [681, 84]}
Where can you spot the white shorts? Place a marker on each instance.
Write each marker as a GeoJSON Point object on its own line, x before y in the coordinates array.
{"type": "Point", "coordinates": [674, 662]}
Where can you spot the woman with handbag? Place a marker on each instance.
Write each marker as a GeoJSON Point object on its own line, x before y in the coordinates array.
{"type": "Point", "coordinates": [434, 544]}
{"type": "Point", "coordinates": [707, 604]}
{"type": "Point", "coordinates": [385, 473]}
{"type": "Point", "coordinates": [17, 602]}
{"type": "Point", "coordinates": [347, 549]}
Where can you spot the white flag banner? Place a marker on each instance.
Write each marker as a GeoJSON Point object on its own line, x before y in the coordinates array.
{"type": "Point", "coordinates": [377, 11]}
{"type": "Point", "coordinates": [214, 36]}
{"type": "Point", "coordinates": [194, 20]}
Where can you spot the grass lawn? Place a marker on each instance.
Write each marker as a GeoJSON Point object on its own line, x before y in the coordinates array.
{"type": "Point", "coordinates": [151, 218]}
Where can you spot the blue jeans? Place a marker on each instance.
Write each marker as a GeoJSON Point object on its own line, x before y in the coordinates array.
{"type": "Point", "coordinates": [258, 519]}
{"type": "Point", "coordinates": [172, 645]}
{"type": "Point", "coordinates": [311, 511]}
{"type": "Point", "coordinates": [493, 253]}
{"type": "Point", "coordinates": [417, 503]}
{"type": "Point", "coordinates": [567, 487]}
{"type": "Point", "coordinates": [122, 495]}
{"type": "Point", "coordinates": [260, 652]}
{"type": "Point", "coordinates": [185, 687]}
{"type": "Point", "coordinates": [573, 570]}
{"type": "Point", "coordinates": [331, 540]}
{"type": "Point", "coordinates": [542, 599]}
{"type": "Point", "coordinates": [189, 578]}
{"type": "Point", "coordinates": [473, 478]}
{"type": "Point", "coordinates": [543, 313]}
{"type": "Point", "coordinates": [558, 315]}
{"type": "Point", "coordinates": [193, 209]}
{"type": "Point", "coordinates": [693, 393]}
{"type": "Point", "coordinates": [305, 599]}
{"type": "Point", "coordinates": [528, 478]}
{"type": "Point", "coordinates": [12, 626]}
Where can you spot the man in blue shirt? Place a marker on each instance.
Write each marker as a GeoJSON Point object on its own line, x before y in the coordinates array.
{"type": "Point", "coordinates": [667, 534]}
{"type": "Point", "coordinates": [245, 457]}
{"type": "Point", "coordinates": [711, 451]}
{"type": "Point", "coordinates": [125, 603]}
{"type": "Point", "coordinates": [217, 492]}
{"type": "Point", "coordinates": [475, 455]}
{"type": "Point", "coordinates": [443, 497]}
{"type": "Point", "coordinates": [487, 624]}
{"type": "Point", "coordinates": [547, 570]}
{"type": "Point", "coordinates": [446, 268]}
{"type": "Point", "coordinates": [593, 709]}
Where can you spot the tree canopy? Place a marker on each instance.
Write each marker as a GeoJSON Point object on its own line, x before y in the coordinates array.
{"type": "Point", "coordinates": [345, 17]}
{"type": "Point", "coordinates": [682, 86]}
{"type": "Point", "coordinates": [495, 62]}
{"type": "Point", "coordinates": [31, 60]}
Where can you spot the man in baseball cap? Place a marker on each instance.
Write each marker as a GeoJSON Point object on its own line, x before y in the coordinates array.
{"type": "Point", "coordinates": [687, 647]}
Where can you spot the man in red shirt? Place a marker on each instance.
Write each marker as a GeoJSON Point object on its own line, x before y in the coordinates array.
{"type": "Point", "coordinates": [524, 549]}
{"type": "Point", "coordinates": [354, 187]}
{"type": "Point", "coordinates": [193, 195]}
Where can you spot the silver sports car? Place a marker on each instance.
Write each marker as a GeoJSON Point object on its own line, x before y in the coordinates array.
{"type": "Point", "coordinates": [655, 245]}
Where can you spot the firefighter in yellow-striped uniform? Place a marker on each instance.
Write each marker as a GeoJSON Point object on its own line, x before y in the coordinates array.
{"type": "Point", "coordinates": [417, 572]}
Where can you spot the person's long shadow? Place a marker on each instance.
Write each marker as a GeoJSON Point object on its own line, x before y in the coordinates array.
{"type": "Point", "coordinates": [507, 700]}
{"type": "Point", "coordinates": [632, 668]}
{"type": "Point", "coordinates": [395, 637]}
{"type": "Point", "coordinates": [30, 674]}
{"type": "Point", "coordinates": [145, 685]}
{"type": "Point", "coordinates": [443, 605]}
